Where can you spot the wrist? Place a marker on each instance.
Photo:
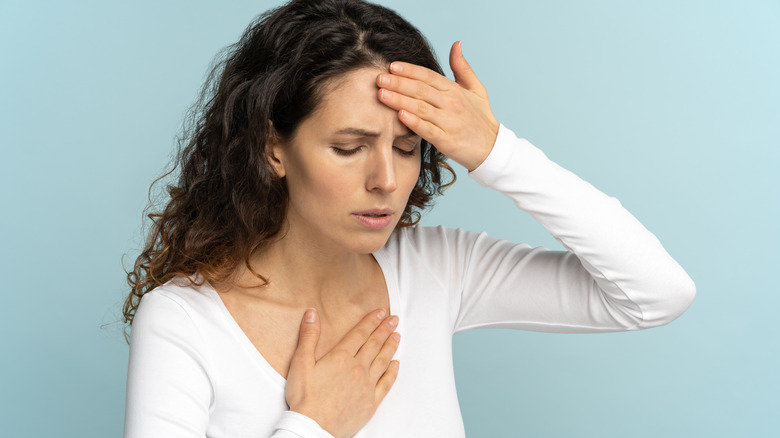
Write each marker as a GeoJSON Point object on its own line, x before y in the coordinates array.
{"type": "Point", "coordinates": [488, 144]}
{"type": "Point", "coordinates": [302, 425]}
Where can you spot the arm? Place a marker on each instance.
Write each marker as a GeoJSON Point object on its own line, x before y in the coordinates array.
{"type": "Point", "coordinates": [169, 384]}
{"type": "Point", "coordinates": [616, 275]}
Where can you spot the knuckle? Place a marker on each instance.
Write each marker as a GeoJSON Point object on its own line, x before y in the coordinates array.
{"type": "Point", "coordinates": [456, 104]}
{"type": "Point", "coordinates": [307, 334]}
{"type": "Point", "coordinates": [388, 349]}
{"type": "Point", "coordinates": [383, 387]}
{"type": "Point", "coordinates": [341, 358]}
{"type": "Point", "coordinates": [372, 344]}
{"type": "Point", "coordinates": [421, 91]}
{"type": "Point", "coordinates": [387, 381]}
{"type": "Point", "coordinates": [362, 333]}
{"type": "Point", "coordinates": [364, 329]}
{"type": "Point", "coordinates": [394, 342]}
{"type": "Point", "coordinates": [392, 373]}
{"type": "Point", "coordinates": [357, 373]}
{"type": "Point", "coordinates": [310, 329]}
{"type": "Point", "coordinates": [381, 362]}
{"type": "Point", "coordinates": [391, 342]}
{"type": "Point", "coordinates": [387, 354]}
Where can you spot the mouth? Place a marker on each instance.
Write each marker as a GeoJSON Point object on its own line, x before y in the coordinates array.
{"type": "Point", "coordinates": [375, 212]}
{"type": "Point", "coordinates": [375, 218]}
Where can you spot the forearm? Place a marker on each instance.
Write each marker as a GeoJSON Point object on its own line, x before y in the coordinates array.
{"type": "Point", "coordinates": [636, 274]}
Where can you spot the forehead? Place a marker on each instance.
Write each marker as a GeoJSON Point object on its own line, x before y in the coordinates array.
{"type": "Point", "coordinates": [350, 101]}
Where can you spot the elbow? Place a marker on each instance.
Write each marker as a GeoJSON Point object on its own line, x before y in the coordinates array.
{"type": "Point", "coordinates": [684, 293]}
{"type": "Point", "coordinates": [675, 298]}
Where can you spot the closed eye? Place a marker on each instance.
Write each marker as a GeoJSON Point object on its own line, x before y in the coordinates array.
{"type": "Point", "coordinates": [345, 152]}
{"type": "Point", "coordinates": [408, 148]}
{"type": "Point", "coordinates": [407, 153]}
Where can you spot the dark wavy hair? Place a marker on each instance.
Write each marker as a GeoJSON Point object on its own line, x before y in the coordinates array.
{"type": "Point", "coordinates": [228, 202]}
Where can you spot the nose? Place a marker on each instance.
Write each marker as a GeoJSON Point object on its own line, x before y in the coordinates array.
{"type": "Point", "coordinates": [381, 172]}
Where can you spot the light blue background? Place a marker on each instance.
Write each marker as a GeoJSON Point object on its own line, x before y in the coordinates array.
{"type": "Point", "coordinates": [671, 106]}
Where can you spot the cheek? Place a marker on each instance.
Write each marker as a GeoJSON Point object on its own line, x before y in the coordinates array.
{"type": "Point", "coordinates": [409, 177]}
{"type": "Point", "coordinates": [316, 184]}
{"type": "Point", "coordinates": [335, 186]}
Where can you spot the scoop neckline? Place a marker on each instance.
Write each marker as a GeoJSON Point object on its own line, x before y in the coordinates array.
{"type": "Point", "coordinates": [238, 334]}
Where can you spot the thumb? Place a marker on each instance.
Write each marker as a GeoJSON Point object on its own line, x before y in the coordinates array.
{"type": "Point", "coordinates": [464, 75]}
{"type": "Point", "coordinates": [308, 337]}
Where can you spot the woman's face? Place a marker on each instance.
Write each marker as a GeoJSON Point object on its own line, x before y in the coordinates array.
{"type": "Point", "coordinates": [349, 168]}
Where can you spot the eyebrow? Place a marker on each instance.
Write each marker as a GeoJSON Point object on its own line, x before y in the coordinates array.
{"type": "Point", "coordinates": [370, 134]}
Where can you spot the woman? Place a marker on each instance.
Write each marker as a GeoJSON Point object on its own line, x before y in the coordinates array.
{"type": "Point", "coordinates": [273, 292]}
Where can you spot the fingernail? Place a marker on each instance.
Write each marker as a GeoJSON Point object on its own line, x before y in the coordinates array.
{"type": "Point", "coordinates": [384, 80]}
{"type": "Point", "coordinates": [381, 314]}
{"type": "Point", "coordinates": [310, 315]}
{"type": "Point", "coordinates": [396, 336]}
{"type": "Point", "coordinates": [393, 321]}
{"type": "Point", "coordinates": [384, 94]}
{"type": "Point", "coordinates": [395, 67]}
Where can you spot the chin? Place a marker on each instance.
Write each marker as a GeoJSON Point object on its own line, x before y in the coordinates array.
{"type": "Point", "coordinates": [368, 244]}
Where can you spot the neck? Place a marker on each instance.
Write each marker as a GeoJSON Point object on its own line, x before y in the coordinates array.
{"type": "Point", "coordinates": [304, 273]}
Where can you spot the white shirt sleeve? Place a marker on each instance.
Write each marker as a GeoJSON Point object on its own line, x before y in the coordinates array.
{"type": "Point", "coordinates": [616, 275]}
{"type": "Point", "coordinates": [170, 389]}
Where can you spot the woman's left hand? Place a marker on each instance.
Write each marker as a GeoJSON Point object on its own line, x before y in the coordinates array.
{"type": "Point", "coordinates": [453, 116]}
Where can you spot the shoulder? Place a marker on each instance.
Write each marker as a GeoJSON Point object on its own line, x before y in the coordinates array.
{"type": "Point", "coordinates": [178, 293]}
{"type": "Point", "coordinates": [175, 305]}
{"type": "Point", "coordinates": [418, 238]}
{"type": "Point", "coordinates": [423, 244]}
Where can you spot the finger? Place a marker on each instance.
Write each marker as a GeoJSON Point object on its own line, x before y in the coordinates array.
{"type": "Point", "coordinates": [464, 75]}
{"type": "Point", "coordinates": [421, 73]}
{"type": "Point", "coordinates": [420, 108]}
{"type": "Point", "coordinates": [427, 130]}
{"type": "Point", "coordinates": [375, 342]}
{"type": "Point", "coordinates": [411, 88]}
{"type": "Point", "coordinates": [355, 338]}
{"type": "Point", "coordinates": [382, 360]}
{"type": "Point", "coordinates": [308, 336]}
{"type": "Point", "coordinates": [386, 382]}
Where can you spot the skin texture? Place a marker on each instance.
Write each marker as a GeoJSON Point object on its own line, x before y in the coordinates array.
{"type": "Point", "coordinates": [454, 116]}
{"type": "Point", "coordinates": [340, 369]}
{"type": "Point", "coordinates": [349, 156]}
{"type": "Point", "coordinates": [342, 390]}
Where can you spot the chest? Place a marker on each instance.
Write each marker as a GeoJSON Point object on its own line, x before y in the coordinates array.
{"type": "Point", "coordinates": [248, 403]}
{"type": "Point", "coordinates": [274, 329]}
{"type": "Point", "coordinates": [249, 400]}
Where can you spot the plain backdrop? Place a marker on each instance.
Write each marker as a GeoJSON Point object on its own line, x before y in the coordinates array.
{"type": "Point", "coordinates": [671, 106]}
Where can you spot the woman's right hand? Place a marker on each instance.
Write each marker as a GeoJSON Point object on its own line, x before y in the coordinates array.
{"type": "Point", "coordinates": [342, 390]}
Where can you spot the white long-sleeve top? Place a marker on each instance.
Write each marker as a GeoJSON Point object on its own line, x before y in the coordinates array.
{"type": "Point", "coordinates": [194, 373]}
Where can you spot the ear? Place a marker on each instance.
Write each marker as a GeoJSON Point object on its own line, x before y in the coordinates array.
{"type": "Point", "coordinates": [274, 148]}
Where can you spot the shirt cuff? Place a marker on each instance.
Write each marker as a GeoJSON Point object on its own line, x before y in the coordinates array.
{"type": "Point", "coordinates": [301, 425]}
{"type": "Point", "coordinates": [503, 159]}
{"type": "Point", "coordinates": [511, 162]}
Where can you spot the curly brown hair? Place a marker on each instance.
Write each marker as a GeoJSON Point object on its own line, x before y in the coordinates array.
{"type": "Point", "coordinates": [228, 202]}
